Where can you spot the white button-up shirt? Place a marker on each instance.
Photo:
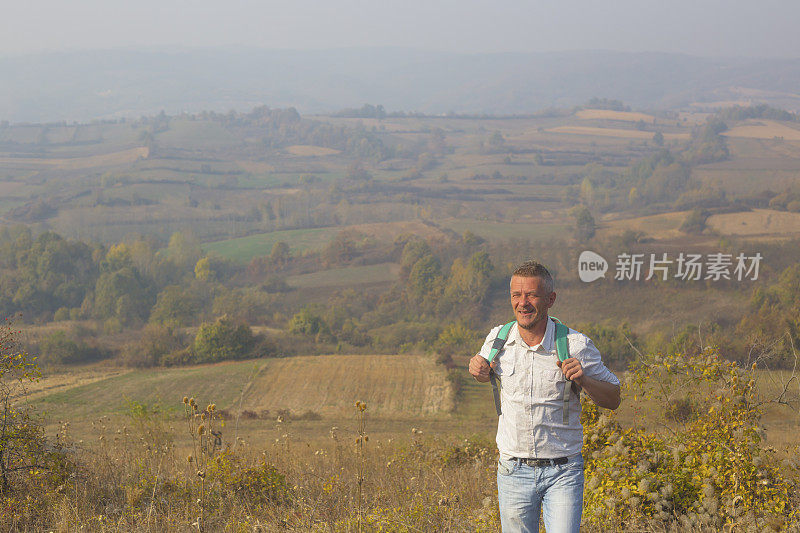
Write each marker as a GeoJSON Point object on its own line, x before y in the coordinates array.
{"type": "Point", "coordinates": [532, 386]}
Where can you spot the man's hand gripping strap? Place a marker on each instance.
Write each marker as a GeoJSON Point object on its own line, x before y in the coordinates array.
{"type": "Point", "coordinates": [562, 347]}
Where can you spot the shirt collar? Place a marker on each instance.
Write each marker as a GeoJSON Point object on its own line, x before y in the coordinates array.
{"type": "Point", "coordinates": [547, 341]}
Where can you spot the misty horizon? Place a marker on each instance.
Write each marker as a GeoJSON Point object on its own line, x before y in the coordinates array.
{"type": "Point", "coordinates": [109, 84]}
{"type": "Point", "coordinates": [713, 28]}
{"type": "Point", "coordinates": [183, 48]}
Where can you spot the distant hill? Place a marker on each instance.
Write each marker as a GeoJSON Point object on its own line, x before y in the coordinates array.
{"type": "Point", "coordinates": [91, 85]}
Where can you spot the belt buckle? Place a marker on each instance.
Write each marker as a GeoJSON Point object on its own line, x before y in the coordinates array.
{"type": "Point", "coordinates": [534, 462]}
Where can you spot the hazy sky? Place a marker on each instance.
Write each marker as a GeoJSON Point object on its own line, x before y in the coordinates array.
{"type": "Point", "coordinates": [698, 27]}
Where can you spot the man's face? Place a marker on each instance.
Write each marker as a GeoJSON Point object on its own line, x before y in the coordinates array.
{"type": "Point", "coordinates": [530, 300]}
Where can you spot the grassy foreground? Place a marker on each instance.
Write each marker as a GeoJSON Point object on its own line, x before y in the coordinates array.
{"type": "Point", "coordinates": [692, 457]}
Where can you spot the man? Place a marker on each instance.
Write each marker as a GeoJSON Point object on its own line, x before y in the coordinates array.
{"type": "Point", "coordinates": [540, 464]}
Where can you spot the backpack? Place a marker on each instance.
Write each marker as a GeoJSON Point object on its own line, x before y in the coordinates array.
{"type": "Point", "coordinates": [562, 347]}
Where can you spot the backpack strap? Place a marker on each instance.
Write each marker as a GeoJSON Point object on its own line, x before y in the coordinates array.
{"type": "Point", "coordinates": [562, 347]}
{"type": "Point", "coordinates": [497, 345]}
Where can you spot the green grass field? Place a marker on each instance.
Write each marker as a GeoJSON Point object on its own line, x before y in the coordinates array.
{"type": "Point", "coordinates": [244, 249]}
{"type": "Point", "coordinates": [221, 383]}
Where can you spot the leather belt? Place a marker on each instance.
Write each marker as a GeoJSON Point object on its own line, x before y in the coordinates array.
{"type": "Point", "coordinates": [532, 461]}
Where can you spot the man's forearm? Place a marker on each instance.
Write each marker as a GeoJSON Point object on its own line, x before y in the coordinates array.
{"type": "Point", "coordinates": [602, 393]}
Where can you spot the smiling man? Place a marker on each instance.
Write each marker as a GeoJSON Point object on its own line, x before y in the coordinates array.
{"type": "Point", "coordinates": [539, 433]}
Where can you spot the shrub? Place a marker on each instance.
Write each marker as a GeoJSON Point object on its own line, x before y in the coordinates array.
{"type": "Point", "coordinates": [176, 306]}
{"type": "Point", "coordinates": [681, 410]}
{"type": "Point", "coordinates": [250, 305]}
{"type": "Point", "coordinates": [713, 475]}
{"type": "Point", "coordinates": [695, 223]}
{"type": "Point", "coordinates": [154, 344]}
{"type": "Point", "coordinates": [26, 458]}
{"type": "Point", "coordinates": [261, 485]}
{"type": "Point", "coordinates": [223, 340]}
{"type": "Point", "coordinates": [619, 344]}
{"type": "Point", "coordinates": [404, 335]}
{"type": "Point", "coordinates": [58, 348]}
{"type": "Point", "coordinates": [306, 322]}
{"type": "Point", "coordinates": [178, 358]}
{"type": "Point", "coordinates": [457, 338]}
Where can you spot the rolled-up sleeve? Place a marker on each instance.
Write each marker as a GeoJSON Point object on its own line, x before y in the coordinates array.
{"type": "Point", "coordinates": [592, 362]}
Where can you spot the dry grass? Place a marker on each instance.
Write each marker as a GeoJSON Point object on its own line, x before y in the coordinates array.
{"type": "Point", "coordinates": [615, 132]}
{"type": "Point", "coordinates": [308, 150]}
{"type": "Point", "coordinates": [136, 477]}
{"type": "Point", "coordinates": [60, 382]}
{"type": "Point", "coordinates": [401, 386]}
{"type": "Point", "coordinates": [763, 129]}
{"type": "Point", "coordinates": [404, 385]}
{"type": "Point", "coordinates": [420, 473]}
{"type": "Point", "coordinates": [608, 114]}
{"type": "Point", "coordinates": [780, 420]}
{"type": "Point", "coordinates": [293, 475]}
{"type": "Point", "coordinates": [757, 223]}
{"type": "Point", "coordinates": [662, 226]}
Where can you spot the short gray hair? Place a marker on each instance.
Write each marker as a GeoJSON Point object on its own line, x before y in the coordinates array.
{"type": "Point", "coordinates": [534, 269]}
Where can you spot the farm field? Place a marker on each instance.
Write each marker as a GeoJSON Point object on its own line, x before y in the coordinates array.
{"type": "Point", "coordinates": [608, 114]}
{"type": "Point", "coordinates": [343, 277]}
{"type": "Point", "coordinates": [108, 180]}
{"type": "Point", "coordinates": [401, 391]}
{"type": "Point", "coordinates": [402, 233]}
{"type": "Point", "coordinates": [746, 181]}
{"type": "Point", "coordinates": [243, 249]}
{"type": "Point", "coordinates": [401, 386]}
{"type": "Point", "coordinates": [79, 163]}
{"type": "Point", "coordinates": [530, 229]}
{"type": "Point", "coordinates": [663, 226]}
{"type": "Point", "coordinates": [764, 129]}
{"type": "Point", "coordinates": [307, 150]}
{"type": "Point", "coordinates": [399, 458]}
{"type": "Point", "coordinates": [614, 132]}
{"type": "Point", "coordinates": [758, 223]}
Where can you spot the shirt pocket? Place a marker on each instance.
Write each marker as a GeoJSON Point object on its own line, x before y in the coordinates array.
{"type": "Point", "coordinates": [505, 368]}
{"type": "Point", "coordinates": [505, 364]}
{"type": "Point", "coordinates": [549, 384]}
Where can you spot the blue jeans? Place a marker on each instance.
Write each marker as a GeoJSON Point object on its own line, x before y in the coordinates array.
{"type": "Point", "coordinates": [556, 490]}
